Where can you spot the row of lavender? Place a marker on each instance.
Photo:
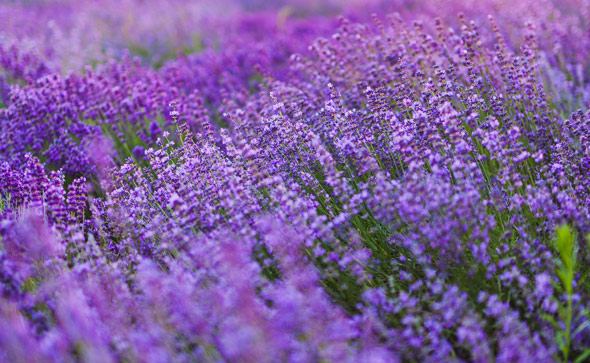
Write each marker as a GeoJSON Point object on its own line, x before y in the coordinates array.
{"type": "Point", "coordinates": [391, 192]}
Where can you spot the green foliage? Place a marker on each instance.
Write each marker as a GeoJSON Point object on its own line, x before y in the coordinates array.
{"type": "Point", "coordinates": [566, 265]}
{"type": "Point", "coordinates": [566, 270]}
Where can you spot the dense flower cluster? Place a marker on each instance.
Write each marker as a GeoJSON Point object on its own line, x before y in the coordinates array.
{"type": "Point", "coordinates": [405, 186]}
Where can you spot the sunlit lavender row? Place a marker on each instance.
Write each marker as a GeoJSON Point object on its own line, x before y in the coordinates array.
{"type": "Point", "coordinates": [295, 181]}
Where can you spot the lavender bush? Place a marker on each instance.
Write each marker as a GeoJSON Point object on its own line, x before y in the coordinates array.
{"type": "Point", "coordinates": [314, 181]}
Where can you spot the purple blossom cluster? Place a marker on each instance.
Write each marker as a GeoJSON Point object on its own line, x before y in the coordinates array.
{"type": "Point", "coordinates": [405, 186]}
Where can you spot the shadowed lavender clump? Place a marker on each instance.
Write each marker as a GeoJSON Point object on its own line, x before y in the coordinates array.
{"type": "Point", "coordinates": [296, 186]}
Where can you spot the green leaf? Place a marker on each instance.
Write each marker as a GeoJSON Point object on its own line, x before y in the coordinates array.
{"type": "Point", "coordinates": [581, 327]}
{"type": "Point", "coordinates": [565, 244]}
{"type": "Point", "coordinates": [582, 357]}
{"type": "Point", "coordinates": [551, 320]}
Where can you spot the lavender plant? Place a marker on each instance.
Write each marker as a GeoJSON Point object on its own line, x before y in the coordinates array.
{"type": "Point", "coordinates": [319, 190]}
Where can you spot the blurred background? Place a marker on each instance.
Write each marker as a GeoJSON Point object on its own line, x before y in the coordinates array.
{"type": "Point", "coordinates": [68, 34]}
{"type": "Point", "coordinates": [64, 36]}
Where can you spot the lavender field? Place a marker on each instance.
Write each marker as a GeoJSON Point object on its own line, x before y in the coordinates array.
{"type": "Point", "coordinates": [295, 181]}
